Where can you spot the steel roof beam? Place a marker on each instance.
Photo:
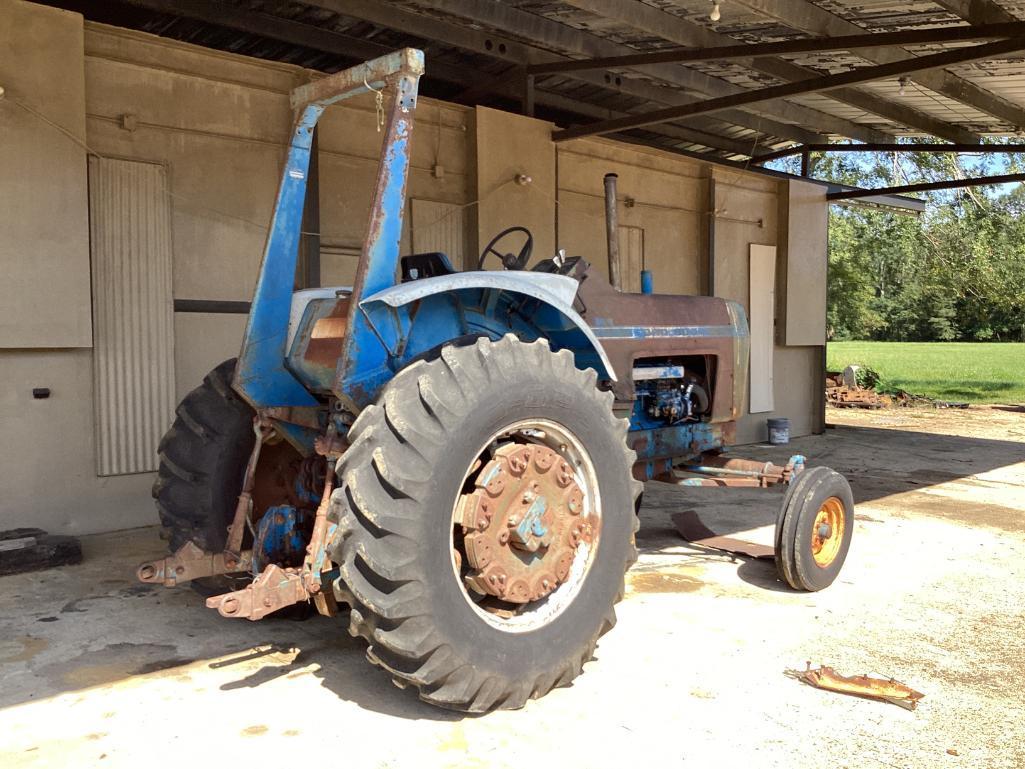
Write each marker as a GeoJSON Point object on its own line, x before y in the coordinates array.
{"type": "Point", "coordinates": [675, 132]}
{"type": "Point", "coordinates": [683, 32]}
{"type": "Point", "coordinates": [948, 184]}
{"type": "Point", "coordinates": [545, 32]}
{"type": "Point", "coordinates": [812, 85]}
{"type": "Point", "coordinates": [329, 41]}
{"type": "Point", "coordinates": [978, 11]}
{"type": "Point", "coordinates": [785, 47]}
{"type": "Point", "coordinates": [807, 17]}
{"type": "Point", "coordinates": [892, 147]}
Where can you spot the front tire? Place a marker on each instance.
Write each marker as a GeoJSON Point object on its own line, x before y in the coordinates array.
{"type": "Point", "coordinates": [813, 529]}
{"type": "Point", "coordinates": [413, 457]}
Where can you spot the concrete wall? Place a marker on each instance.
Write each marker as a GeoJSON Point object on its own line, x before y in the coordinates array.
{"type": "Point", "coordinates": [44, 294]}
{"type": "Point", "coordinates": [662, 195]}
{"type": "Point", "coordinates": [747, 210]}
{"type": "Point", "coordinates": [218, 123]}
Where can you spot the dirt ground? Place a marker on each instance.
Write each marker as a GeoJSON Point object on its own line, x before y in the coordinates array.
{"type": "Point", "coordinates": [96, 670]}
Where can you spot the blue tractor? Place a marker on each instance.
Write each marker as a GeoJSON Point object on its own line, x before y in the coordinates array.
{"type": "Point", "coordinates": [458, 457]}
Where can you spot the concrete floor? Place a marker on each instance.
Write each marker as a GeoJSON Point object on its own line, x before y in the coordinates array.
{"type": "Point", "coordinates": [96, 670]}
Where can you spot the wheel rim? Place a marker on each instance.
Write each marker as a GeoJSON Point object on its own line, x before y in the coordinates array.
{"type": "Point", "coordinates": [526, 525]}
{"type": "Point", "coordinates": [827, 531]}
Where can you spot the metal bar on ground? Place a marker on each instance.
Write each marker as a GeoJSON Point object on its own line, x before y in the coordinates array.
{"type": "Point", "coordinates": [802, 45]}
{"type": "Point", "coordinates": [796, 88]}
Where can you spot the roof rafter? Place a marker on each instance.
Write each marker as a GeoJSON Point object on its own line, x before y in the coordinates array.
{"type": "Point", "coordinates": [807, 17]}
{"type": "Point", "coordinates": [824, 83]}
{"type": "Point", "coordinates": [978, 11]}
{"type": "Point", "coordinates": [683, 32]}
{"type": "Point", "coordinates": [329, 41]}
{"type": "Point", "coordinates": [552, 34]}
{"type": "Point", "coordinates": [780, 48]}
{"type": "Point", "coordinates": [948, 184]}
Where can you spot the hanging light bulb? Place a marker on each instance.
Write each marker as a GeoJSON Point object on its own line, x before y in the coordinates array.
{"type": "Point", "coordinates": [903, 83]}
{"type": "Point", "coordinates": [715, 15]}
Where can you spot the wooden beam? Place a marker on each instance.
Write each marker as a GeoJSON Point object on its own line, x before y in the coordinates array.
{"type": "Point", "coordinates": [644, 17]}
{"type": "Point", "coordinates": [813, 85]}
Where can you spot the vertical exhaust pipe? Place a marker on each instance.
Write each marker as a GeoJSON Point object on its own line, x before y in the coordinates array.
{"type": "Point", "coordinates": [612, 230]}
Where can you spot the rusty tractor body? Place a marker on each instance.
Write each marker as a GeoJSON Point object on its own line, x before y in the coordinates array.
{"type": "Point", "coordinates": [456, 456]}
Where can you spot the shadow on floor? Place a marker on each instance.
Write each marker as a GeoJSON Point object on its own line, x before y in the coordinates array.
{"type": "Point", "coordinates": [877, 462]}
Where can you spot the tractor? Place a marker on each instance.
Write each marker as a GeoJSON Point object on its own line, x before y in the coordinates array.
{"type": "Point", "coordinates": [457, 457]}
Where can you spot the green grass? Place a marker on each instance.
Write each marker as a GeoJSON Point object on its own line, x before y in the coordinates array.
{"type": "Point", "coordinates": [954, 371]}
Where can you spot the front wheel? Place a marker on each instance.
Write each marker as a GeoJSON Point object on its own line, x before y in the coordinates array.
{"type": "Point", "coordinates": [814, 528]}
{"type": "Point", "coordinates": [485, 517]}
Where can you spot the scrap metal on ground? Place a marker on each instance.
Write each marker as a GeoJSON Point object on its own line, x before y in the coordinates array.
{"type": "Point", "coordinates": [885, 689]}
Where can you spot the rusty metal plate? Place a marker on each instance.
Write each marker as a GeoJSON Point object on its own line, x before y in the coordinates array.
{"type": "Point", "coordinates": [693, 530]}
{"type": "Point", "coordinates": [522, 524]}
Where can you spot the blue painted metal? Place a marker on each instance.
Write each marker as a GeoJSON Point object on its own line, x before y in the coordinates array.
{"type": "Point", "coordinates": [647, 332]}
{"type": "Point", "coordinates": [647, 282]}
{"type": "Point", "coordinates": [533, 523]}
{"type": "Point", "coordinates": [279, 538]}
{"type": "Point", "coordinates": [659, 445]}
{"type": "Point", "coordinates": [642, 373]}
{"type": "Point", "coordinates": [401, 333]}
{"type": "Point", "coordinates": [797, 461]}
{"type": "Point", "coordinates": [364, 358]}
{"type": "Point", "coordinates": [262, 377]}
{"type": "Point", "coordinates": [406, 320]}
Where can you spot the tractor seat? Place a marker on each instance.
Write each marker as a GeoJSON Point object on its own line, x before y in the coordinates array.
{"type": "Point", "coordinates": [430, 265]}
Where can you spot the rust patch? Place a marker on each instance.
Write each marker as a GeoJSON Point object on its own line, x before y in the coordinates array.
{"type": "Point", "coordinates": [22, 649]}
{"type": "Point", "coordinates": [523, 523]}
{"type": "Point", "coordinates": [887, 690]}
{"type": "Point", "coordinates": [327, 337]}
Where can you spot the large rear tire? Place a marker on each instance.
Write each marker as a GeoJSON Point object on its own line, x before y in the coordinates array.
{"type": "Point", "coordinates": [202, 458]}
{"type": "Point", "coordinates": [413, 457]}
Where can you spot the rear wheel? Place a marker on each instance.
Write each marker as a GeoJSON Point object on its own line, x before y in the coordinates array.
{"type": "Point", "coordinates": [486, 520]}
{"type": "Point", "coordinates": [813, 529]}
{"type": "Point", "coordinates": [203, 458]}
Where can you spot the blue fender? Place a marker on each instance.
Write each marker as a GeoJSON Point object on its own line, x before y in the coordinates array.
{"type": "Point", "coordinates": [410, 318]}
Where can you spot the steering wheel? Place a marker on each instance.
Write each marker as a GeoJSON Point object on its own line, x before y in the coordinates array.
{"type": "Point", "coordinates": [509, 261]}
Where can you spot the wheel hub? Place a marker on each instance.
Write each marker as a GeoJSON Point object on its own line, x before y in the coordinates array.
{"type": "Point", "coordinates": [827, 532]}
{"type": "Point", "coordinates": [523, 523]}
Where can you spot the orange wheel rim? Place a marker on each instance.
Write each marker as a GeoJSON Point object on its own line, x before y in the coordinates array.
{"type": "Point", "coordinates": [827, 532]}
